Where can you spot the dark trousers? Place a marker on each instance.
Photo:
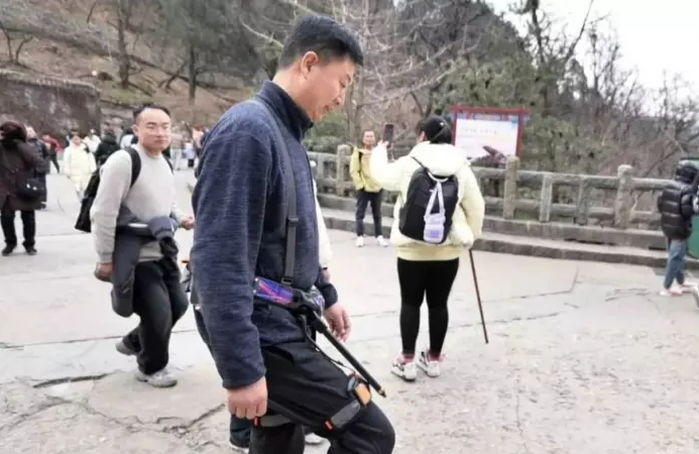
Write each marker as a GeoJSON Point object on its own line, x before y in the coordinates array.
{"type": "Point", "coordinates": [44, 197]}
{"type": "Point", "coordinates": [306, 387]}
{"type": "Point", "coordinates": [239, 429]}
{"type": "Point", "coordinates": [160, 301]}
{"type": "Point", "coordinates": [363, 199]}
{"type": "Point", "coordinates": [54, 158]}
{"type": "Point", "coordinates": [431, 279]}
{"type": "Point", "coordinates": [28, 224]}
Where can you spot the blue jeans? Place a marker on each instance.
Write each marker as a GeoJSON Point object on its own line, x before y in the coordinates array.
{"type": "Point", "coordinates": [676, 261]}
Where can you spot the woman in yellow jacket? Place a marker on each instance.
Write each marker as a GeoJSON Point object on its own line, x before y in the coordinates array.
{"type": "Point", "coordinates": [368, 190]}
{"type": "Point", "coordinates": [428, 270]}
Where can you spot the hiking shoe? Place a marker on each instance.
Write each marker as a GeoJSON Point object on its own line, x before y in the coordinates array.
{"type": "Point", "coordinates": [161, 379]}
{"type": "Point", "coordinates": [404, 369]}
{"type": "Point", "coordinates": [688, 287]}
{"type": "Point", "coordinates": [239, 446]}
{"type": "Point", "coordinates": [382, 241]}
{"type": "Point", "coordinates": [359, 242]}
{"type": "Point", "coordinates": [31, 250]}
{"type": "Point", "coordinates": [124, 349]}
{"type": "Point", "coordinates": [672, 291]}
{"type": "Point", "coordinates": [313, 439]}
{"type": "Point", "coordinates": [432, 367]}
{"type": "Point", "coordinates": [7, 250]}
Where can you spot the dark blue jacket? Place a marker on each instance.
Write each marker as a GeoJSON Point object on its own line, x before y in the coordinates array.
{"type": "Point", "coordinates": [240, 207]}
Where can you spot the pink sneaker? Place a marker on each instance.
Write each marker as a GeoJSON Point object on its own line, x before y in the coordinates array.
{"type": "Point", "coordinates": [430, 365]}
{"type": "Point", "coordinates": [688, 287]}
{"type": "Point", "coordinates": [672, 291]}
{"type": "Point", "coordinates": [404, 368]}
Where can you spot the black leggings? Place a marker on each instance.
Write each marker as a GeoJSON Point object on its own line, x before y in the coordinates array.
{"type": "Point", "coordinates": [417, 279]}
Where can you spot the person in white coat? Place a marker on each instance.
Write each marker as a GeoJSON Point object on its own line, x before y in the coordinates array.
{"type": "Point", "coordinates": [428, 270]}
{"type": "Point", "coordinates": [78, 164]}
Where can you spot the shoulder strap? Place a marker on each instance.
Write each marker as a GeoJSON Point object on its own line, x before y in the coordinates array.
{"type": "Point", "coordinates": [135, 164]}
{"type": "Point", "coordinates": [419, 163]}
{"type": "Point", "coordinates": [292, 218]}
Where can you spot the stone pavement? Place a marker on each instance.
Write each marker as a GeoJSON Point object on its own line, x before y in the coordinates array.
{"type": "Point", "coordinates": [584, 358]}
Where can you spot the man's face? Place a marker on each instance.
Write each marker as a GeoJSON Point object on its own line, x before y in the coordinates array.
{"type": "Point", "coordinates": [76, 140]}
{"type": "Point", "coordinates": [153, 129]}
{"type": "Point", "coordinates": [31, 133]}
{"type": "Point", "coordinates": [369, 139]}
{"type": "Point", "coordinates": [325, 84]}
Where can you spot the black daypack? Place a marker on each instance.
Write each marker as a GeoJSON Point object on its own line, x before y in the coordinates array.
{"type": "Point", "coordinates": [83, 222]}
{"type": "Point", "coordinates": [429, 206]}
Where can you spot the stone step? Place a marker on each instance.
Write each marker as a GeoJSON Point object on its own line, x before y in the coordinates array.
{"type": "Point", "coordinates": [526, 245]}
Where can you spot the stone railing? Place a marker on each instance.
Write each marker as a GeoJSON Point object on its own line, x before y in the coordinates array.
{"type": "Point", "coordinates": [621, 202]}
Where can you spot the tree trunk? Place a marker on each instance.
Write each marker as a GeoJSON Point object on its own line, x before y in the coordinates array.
{"type": "Point", "coordinates": [192, 75]}
{"type": "Point", "coordinates": [92, 10]}
{"type": "Point", "coordinates": [124, 63]}
{"type": "Point", "coordinates": [19, 48]}
{"type": "Point", "coordinates": [8, 40]}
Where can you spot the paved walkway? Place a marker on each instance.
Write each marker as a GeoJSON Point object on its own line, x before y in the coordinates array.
{"type": "Point", "coordinates": [584, 358]}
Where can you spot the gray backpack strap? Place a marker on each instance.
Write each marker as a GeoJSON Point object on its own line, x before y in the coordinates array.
{"type": "Point", "coordinates": [292, 218]}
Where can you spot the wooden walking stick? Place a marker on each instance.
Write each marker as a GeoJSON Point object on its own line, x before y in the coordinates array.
{"type": "Point", "coordinates": [478, 295]}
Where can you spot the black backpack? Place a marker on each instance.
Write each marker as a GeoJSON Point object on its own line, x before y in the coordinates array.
{"type": "Point", "coordinates": [83, 222]}
{"type": "Point", "coordinates": [429, 206]}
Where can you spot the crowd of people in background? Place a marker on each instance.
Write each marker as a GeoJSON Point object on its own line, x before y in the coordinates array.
{"type": "Point", "coordinates": [27, 157]}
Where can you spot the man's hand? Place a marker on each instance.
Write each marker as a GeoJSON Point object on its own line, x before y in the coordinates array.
{"type": "Point", "coordinates": [249, 401]}
{"type": "Point", "coordinates": [187, 222]}
{"type": "Point", "coordinates": [339, 321]}
{"type": "Point", "coordinates": [103, 272]}
{"type": "Point", "coordinates": [382, 145]}
{"type": "Point", "coordinates": [326, 274]}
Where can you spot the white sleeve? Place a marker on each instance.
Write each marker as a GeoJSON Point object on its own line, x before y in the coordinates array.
{"type": "Point", "coordinates": [387, 174]}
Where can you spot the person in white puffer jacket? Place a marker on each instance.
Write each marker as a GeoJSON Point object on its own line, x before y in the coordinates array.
{"type": "Point", "coordinates": [428, 270]}
{"type": "Point", "coordinates": [78, 164]}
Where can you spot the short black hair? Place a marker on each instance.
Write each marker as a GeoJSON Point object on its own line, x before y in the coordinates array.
{"type": "Point", "coordinates": [139, 110]}
{"type": "Point", "coordinates": [436, 129]}
{"type": "Point", "coordinates": [322, 35]}
{"type": "Point", "coordinates": [11, 130]}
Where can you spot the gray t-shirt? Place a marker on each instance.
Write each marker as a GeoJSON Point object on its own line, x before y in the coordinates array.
{"type": "Point", "coordinates": [152, 195]}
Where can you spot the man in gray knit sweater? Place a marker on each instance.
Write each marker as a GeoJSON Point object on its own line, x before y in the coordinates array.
{"type": "Point", "coordinates": [157, 296]}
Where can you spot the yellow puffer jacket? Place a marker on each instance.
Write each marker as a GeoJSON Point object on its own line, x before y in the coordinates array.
{"type": "Point", "coordinates": [443, 160]}
{"type": "Point", "coordinates": [360, 170]}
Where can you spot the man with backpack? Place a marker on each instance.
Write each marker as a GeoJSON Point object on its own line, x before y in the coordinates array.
{"type": "Point", "coordinates": [439, 212]}
{"type": "Point", "coordinates": [133, 218]}
{"type": "Point", "coordinates": [256, 251]}
{"type": "Point", "coordinates": [677, 205]}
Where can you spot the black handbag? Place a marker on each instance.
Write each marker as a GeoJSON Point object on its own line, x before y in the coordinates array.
{"type": "Point", "coordinates": [32, 188]}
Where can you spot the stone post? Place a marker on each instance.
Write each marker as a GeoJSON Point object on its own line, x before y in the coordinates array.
{"type": "Point", "coordinates": [510, 195]}
{"type": "Point", "coordinates": [546, 198]}
{"type": "Point", "coordinates": [583, 202]}
{"type": "Point", "coordinates": [624, 201]}
{"type": "Point", "coordinates": [342, 151]}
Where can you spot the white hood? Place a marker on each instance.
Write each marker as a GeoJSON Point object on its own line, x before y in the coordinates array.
{"type": "Point", "coordinates": [441, 159]}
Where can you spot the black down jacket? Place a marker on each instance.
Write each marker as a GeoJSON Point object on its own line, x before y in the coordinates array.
{"type": "Point", "coordinates": [676, 203]}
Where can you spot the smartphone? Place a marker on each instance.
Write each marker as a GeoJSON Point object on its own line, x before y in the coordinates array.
{"type": "Point", "coordinates": [388, 133]}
